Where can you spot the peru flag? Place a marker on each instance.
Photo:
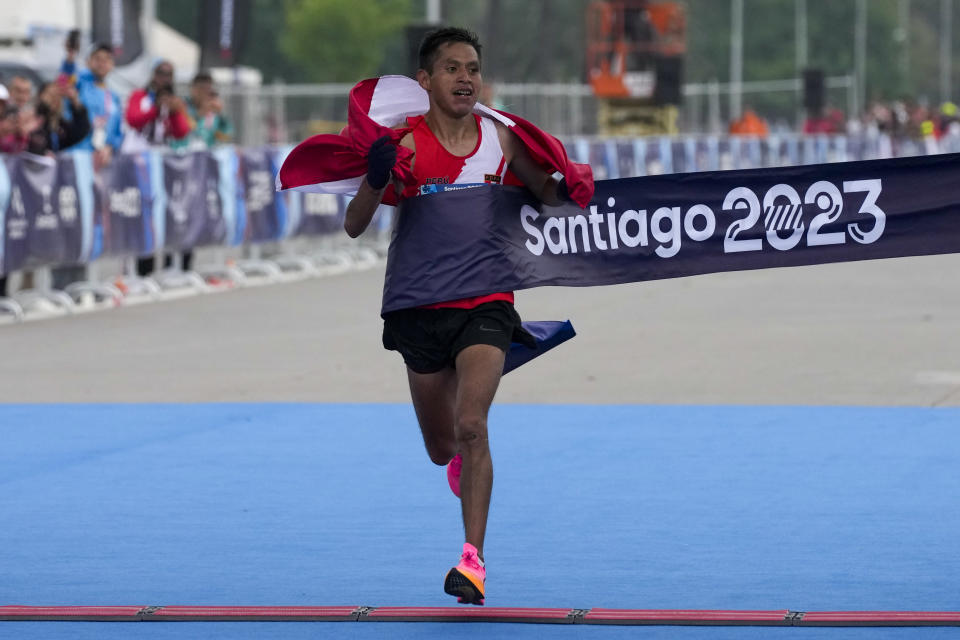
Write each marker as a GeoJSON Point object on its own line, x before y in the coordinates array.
{"type": "Point", "coordinates": [331, 163]}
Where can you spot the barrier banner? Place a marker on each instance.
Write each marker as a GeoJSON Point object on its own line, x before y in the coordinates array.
{"type": "Point", "coordinates": [43, 225]}
{"type": "Point", "coordinates": [262, 202]}
{"type": "Point", "coordinates": [320, 214]}
{"type": "Point", "coordinates": [193, 211]}
{"type": "Point", "coordinates": [626, 159]}
{"type": "Point", "coordinates": [657, 159]}
{"type": "Point", "coordinates": [472, 241]}
{"type": "Point", "coordinates": [681, 158]}
{"type": "Point", "coordinates": [16, 225]}
{"type": "Point", "coordinates": [74, 225]}
{"type": "Point", "coordinates": [127, 185]}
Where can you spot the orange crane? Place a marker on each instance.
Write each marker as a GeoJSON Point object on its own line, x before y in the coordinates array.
{"type": "Point", "coordinates": [635, 51]}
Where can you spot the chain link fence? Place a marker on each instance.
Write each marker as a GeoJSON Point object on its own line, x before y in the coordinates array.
{"type": "Point", "coordinates": [288, 113]}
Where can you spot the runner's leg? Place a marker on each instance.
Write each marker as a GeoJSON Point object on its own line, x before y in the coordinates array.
{"type": "Point", "coordinates": [479, 368]}
{"type": "Point", "coordinates": [433, 397]}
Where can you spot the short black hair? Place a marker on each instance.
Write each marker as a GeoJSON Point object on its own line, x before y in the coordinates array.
{"type": "Point", "coordinates": [101, 46]}
{"type": "Point", "coordinates": [432, 42]}
{"type": "Point", "coordinates": [202, 76]}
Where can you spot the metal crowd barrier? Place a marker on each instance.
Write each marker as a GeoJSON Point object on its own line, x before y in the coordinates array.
{"type": "Point", "coordinates": [58, 215]}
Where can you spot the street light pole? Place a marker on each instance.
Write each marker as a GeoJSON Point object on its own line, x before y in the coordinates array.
{"type": "Point", "coordinates": [801, 21]}
{"type": "Point", "coordinates": [433, 12]}
{"type": "Point", "coordinates": [903, 36]}
{"type": "Point", "coordinates": [860, 56]}
{"type": "Point", "coordinates": [736, 58]}
{"type": "Point", "coordinates": [800, 10]}
{"type": "Point", "coordinates": [946, 31]}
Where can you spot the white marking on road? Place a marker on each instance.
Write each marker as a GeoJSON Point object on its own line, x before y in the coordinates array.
{"type": "Point", "coordinates": [949, 378]}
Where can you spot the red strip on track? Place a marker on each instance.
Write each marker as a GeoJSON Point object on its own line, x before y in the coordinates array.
{"type": "Point", "coordinates": [260, 614]}
{"type": "Point", "coordinates": [880, 618]}
{"type": "Point", "coordinates": [468, 614]}
{"type": "Point", "coordinates": [106, 614]}
{"type": "Point", "coordinates": [686, 617]}
{"type": "Point", "coordinates": [485, 614]}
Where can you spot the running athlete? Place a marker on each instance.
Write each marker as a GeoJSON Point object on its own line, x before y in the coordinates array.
{"type": "Point", "coordinates": [454, 351]}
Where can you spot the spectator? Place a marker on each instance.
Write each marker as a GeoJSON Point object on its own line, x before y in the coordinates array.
{"type": "Point", "coordinates": [21, 104]}
{"type": "Point", "coordinates": [7, 124]}
{"type": "Point", "coordinates": [54, 132]}
{"type": "Point", "coordinates": [200, 87]}
{"type": "Point", "coordinates": [21, 92]}
{"type": "Point", "coordinates": [103, 106]}
{"type": "Point", "coordinates": [749, 124]}
{"type": "Point", "coordinates": [156, 114]}
{"type": "Point", "coordinates": [158, 117]}
{"type": "Point", "coordinates": [13, 137]}
{"type": "Point", "coordinates": [828, 120]}
{"type": "Point", "coordinates": [210, 126]}
{"type": "Point", "coordinates": [948, 122]}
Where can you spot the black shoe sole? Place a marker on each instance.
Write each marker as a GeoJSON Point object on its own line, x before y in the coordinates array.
{"type": "Point", "coordinates": [457, 584]}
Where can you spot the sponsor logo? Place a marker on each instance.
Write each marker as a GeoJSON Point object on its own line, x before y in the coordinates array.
{"type": "Point", "coordinates": [443, 188]}
{"type": "Point", "coordinates": [441, 180]}
{"type": "Point", "coordinates": [260, 191]}
{"type": "Point", "coordinates": [17, 223]}
{"type": "Point", "coordinates": [126, 203]}
{"type": "Point", "coordinates": [46, 218]}
{"type": "Point", "coordinates": [779, 219]}
{"type": "Point", "coordinates": [213, 199]}
{"type": "Point", "coordinates": [320, 204]}
{"type": "Point", "coordinates": [491, 178]}
{"type": "Point", "coordinates": [67, 204]}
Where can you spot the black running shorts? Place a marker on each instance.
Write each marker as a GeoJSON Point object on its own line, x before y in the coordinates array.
{"type": "Point", "coordinates": [430, 339]}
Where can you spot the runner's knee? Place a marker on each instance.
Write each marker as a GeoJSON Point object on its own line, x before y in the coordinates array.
{"type": "Point", "coordinates": [471, 433]}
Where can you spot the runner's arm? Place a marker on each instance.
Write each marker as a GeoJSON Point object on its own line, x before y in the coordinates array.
{"type": "Point", "coordinates": [383, 155]}
{"type": "Point", "coordinates": [539, 182]}
{"type": "Point", "coordinates": [361, 209]}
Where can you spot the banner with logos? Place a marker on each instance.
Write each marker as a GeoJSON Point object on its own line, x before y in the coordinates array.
{"type": "Point", "coordinates": [48, 213]}
{"type": "Point", "coordinates": [466, 242]}
{"type": "Point", "coordinates": [264, 206]}
{"type": "Point", "coordinates": [127, 196]}
{"type": "Point", "coordinates": [189, 206]}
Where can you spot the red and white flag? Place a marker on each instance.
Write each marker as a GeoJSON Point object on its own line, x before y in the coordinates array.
{"type": "Point", "coordinates": [337, 163]}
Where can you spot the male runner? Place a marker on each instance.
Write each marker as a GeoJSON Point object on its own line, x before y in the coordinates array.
{"type": "Point", "coordinates": [454, 351]}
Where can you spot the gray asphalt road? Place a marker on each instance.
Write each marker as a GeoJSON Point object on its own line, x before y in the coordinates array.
{"type": "Point", "coordinates": [870, 333]}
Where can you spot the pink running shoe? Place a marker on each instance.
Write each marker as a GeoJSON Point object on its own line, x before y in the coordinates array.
{"type": "Point", "coordinates": [466, 580]}
{"type": "Point", "coordinates": [453, 474]}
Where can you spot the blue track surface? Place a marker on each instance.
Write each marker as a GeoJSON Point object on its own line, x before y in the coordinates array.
{"type": "Point", "coordinates": [648, 507]}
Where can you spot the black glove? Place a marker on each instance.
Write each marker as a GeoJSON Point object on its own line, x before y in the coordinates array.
{"type": "Point", "coordinates": [380, 160]}
{"type": "Point", "coordinates": [563, 193]}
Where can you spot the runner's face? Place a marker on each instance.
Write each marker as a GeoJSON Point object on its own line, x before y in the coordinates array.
{"type": "Point", "coordinates": [455, 81]}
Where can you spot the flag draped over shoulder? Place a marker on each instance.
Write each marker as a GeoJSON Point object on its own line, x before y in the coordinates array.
{"type": "Point", "coordinates": [337, 163]}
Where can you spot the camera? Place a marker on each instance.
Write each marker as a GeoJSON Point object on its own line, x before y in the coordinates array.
{"type": "Point", "coordinates": [73, 40]}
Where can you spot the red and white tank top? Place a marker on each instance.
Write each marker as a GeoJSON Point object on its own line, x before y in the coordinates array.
{"type": "Point", "coordinates": [433, 164]}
